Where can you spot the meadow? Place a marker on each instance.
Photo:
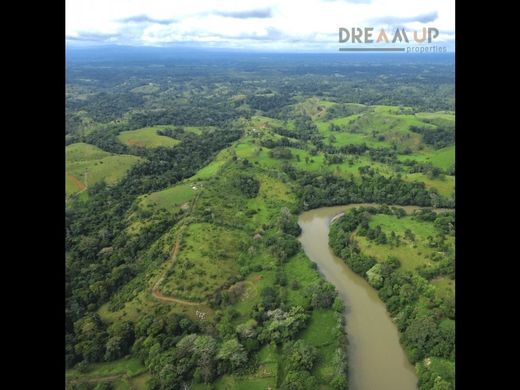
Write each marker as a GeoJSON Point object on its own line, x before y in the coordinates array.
{"type": "Point", "coordinates": [147, 137]}
{"type": "Point", "coordinates": [86, 165]}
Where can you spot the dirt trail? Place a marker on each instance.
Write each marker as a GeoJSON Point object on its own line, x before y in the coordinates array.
{"type": "Point", "coordinates": [156, 293]}
{"type": "Point", "coordinates": [82, 187]}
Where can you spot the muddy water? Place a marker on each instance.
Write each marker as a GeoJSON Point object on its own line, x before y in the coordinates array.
{"type": "Point", "coordinates": [376, 359]}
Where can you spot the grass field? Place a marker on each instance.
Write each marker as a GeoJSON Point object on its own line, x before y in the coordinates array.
{"type": "Point", "coordinates": [196, 129]}
{"type": "Point", "coordinates": [87, 164]}
{"type": "Point", "coordinates": [261, 123]}
{"type": "Point", "coordinates": [213, 167]}
{"type": "Point", "coordinates": [299, 269]}
{"type": "Point", "coordinates": [411, 254]}
{"type": "Point", "coordinates": [129, 366]}
{"type": "Point", "coordinates": [206, 260]}
{"type": "Point", "coordinates": [442, 158]}
{"type": "Point", "coordinates": [321, 331]}
{"type": "Point", "coordinates": [146, 88]}
{"type": "Point", "coordinates": [171, 199]}
{"type": "Point", "coordinates": [258, 280]}
{"type": "Point", "coordinates": [84, 152]}
{"type": "Point", "coordinates": [272, 194]}
{"type": "Point", "coordinates": [131, 372]}
{"type": "Point", "coordinates": [147, 137]}
{"type": "Point", "coordinates": [442, 118]}
{"type": "Point", "coordinates": [250, 382]}
{"type": "Point", "coordinates": [444, 286]}
{"type": "Point", "coordinates": [387, 126]}
{"type": "Point", "coordinates": [445, 186]}
{"type": "Point", "coordinates": [321, 334]}
{"type": "Point", "coordinates": [263, 378]}
{"type": "Point", "coordinates": [313, 107]}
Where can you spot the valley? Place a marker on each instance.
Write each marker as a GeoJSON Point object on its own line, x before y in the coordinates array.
{"type": "Point", "coordinates": [190, 200]}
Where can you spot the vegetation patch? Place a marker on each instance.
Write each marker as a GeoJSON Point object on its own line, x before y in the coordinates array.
{"type": "Point", "coordinates": [147, 137]}
{"type": "Point", "coordinates": [87, 165]}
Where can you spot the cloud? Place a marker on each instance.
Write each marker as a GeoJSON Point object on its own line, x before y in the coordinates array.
{"type": "Point", "coordinates": [254, 13]}
{"type": "Point", "coordinates": [146, 19]}
{"type": "Point", "coordinates": [271, 34]}
{"type": "Point", "coordinates": [90, 36]}
{"type": "Point", "coordinates": [271, 24]}
{"type": "Point", "coordinates": [352, 1]}
{"type": "Point", "coordinates": [423, 18]}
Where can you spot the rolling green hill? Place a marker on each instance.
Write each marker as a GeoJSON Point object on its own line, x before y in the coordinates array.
{"type": "Point", "coordinates": [86, 165]}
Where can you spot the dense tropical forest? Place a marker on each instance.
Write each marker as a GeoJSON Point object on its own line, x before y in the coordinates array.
{"type": "Point", "coordinates": [185, 175]}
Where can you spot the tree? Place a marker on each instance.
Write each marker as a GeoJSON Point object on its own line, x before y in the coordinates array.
{"type": "Point", "coordinates": [247, 329]}
{"type": "Point", "coordinates": [299, 380]}
{"type": "Point", "coordinates": [421, 335]}
{"type": "Point", "coordinates": [233, 354]}
{"type": "Point", "coordinates": [248, 185]}
{"type": "Point", "coordinates": [196, 352]}
{"type": "Point", "coordinates": [374, 276]}
{"type": "Point", "coordinates": [270, 297]}
{"type": "Point", "coordinates": [321, 294]}
{"type": "Point", "coordinates": [90, 338]}
{"type": "Point", "coordinates": [408, 234]}
{"type": "Point", "coordinates": [301, 356]}
{"type": "Point", "coordinates": [120, 341]}
{"type": "Point", "coordinates": [283, 326]}
{"type": "Point", "coordinates": [288, 223]}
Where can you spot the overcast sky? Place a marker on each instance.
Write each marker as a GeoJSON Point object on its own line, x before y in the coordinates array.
{"type": "Point", "coordinates": [283, 25]}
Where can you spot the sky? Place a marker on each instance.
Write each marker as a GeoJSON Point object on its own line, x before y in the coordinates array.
{"type": "Point", "coordinates": [283, 25]}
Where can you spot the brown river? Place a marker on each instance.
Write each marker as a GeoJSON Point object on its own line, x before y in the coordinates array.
{"type": "Point", "coordinates": [376, 359]}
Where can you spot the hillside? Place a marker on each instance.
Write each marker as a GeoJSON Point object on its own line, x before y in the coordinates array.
{"type": "Point", "coordinates": [185, 268]}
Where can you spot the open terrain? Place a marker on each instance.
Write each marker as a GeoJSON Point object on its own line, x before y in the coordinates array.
{"type": "Point", "coordinates": [185, 270]}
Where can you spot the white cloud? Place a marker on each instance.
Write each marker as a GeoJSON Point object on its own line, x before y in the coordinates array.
{"type": "Point", "coordinates": [252, 24]}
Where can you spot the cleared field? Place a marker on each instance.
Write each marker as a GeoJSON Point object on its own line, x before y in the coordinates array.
{"type": "Point", "coordinates": [196, 129]}
{"type": "Point", "coordinates": [271, 196]}
{"type": "Point", "coordinates": [206, 260]}
{"type": "Point", "coordinates": [321, 334]}
{"type": "Point", "coordinates": [146, 89]}
{"type": "Point", "coordinates": [260, 122]}
{"type": "Point", "coordinates": [147, 137]}
{"type": "Point", "coordinates": [171, 199]}
{"type": "Point", "coordinates": [258, 281]}
{"type": "Point", "coordinates": [213, 167]}
{"type": "Point", "coordinates": [84, 152]}
{"type": "Point", "coordinates": [411, 254]}
{"type": "Point", "coordinates": [86, 165]}
{"type": "Point", "coordinates": [129, 366]}
{"type": "Point", "coordinates": [250, 382]}
{"type": "Point", "coordinates": [260, 155]}
{"type": "Point", "coordinates": [442, 158]}
{"type": "Point", "coordinates": [305, 161]}
{"type": "Point", "coordinates": [263, 378]}
{"type": "Point", "coordinates": [313, 107]}
{"type": "Point", "coordinates": [385, 126]}
{"type": "Point", "coordinates": [441, 118]}
{"type": "Point", "coordinates": [445, 286]}
{"type": "Point", "coordinates": [445, 186]}
{"type": "Point", "coordinates": [299, 269]}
